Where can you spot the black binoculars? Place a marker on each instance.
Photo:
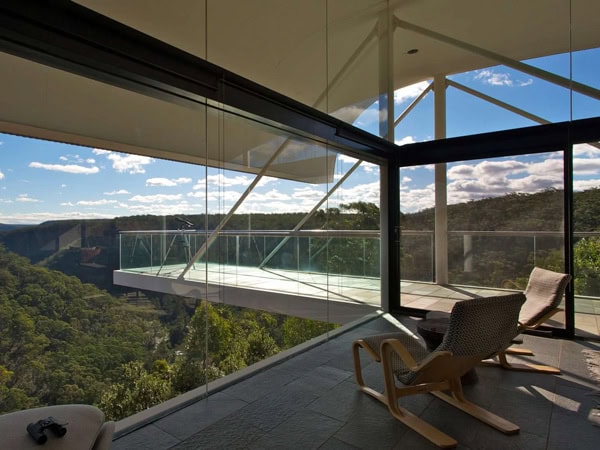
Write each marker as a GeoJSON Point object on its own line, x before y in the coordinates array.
{"type": "Point", "coordinates": [36, 429]}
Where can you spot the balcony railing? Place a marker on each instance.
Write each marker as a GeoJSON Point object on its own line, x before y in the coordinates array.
{"type": "Point", "coordinates": [354, 253]}
{"type": "Point", "coordinates": [497, 259]}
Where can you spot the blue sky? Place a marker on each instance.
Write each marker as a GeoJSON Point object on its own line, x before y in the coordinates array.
{"type": "Point", "coordinates": [42, 180]}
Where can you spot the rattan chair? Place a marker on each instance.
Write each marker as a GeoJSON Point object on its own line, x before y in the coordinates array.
{"type": "Point", "coordinates": [544, 293]}
{"type": "Point", "coordinates": [478, 328]}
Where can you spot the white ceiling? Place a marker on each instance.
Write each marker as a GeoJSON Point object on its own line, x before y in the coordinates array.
{"type": "Point", "coordinates": [296, 46]}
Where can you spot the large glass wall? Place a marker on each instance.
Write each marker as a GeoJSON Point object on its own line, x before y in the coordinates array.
{"type": "Point", "coordinates": [528, 79]}
{"type": "Point", "coordinates": [586, 250]}
{"type": "Point", "coordinates": [504, 216]}
{"type": "Point", "coordinates": [201, 240]}
{"type": "Point", "coordinates": [218, 201]}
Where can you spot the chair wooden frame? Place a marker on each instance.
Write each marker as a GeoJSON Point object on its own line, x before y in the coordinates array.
{"type": "Point", "coordinates": [439, 371]}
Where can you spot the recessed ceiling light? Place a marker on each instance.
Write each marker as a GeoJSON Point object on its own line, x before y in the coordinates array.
{"type": "Point", "coordinates": [412, 51]}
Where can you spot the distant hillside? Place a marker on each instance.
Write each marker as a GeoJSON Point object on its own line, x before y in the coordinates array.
{"type": "Point", "coordinates": [8, 226]}
{"type": "Point", "coordinates": [542, 211]}
{"type": "Point", "coordinates": [89, 249]}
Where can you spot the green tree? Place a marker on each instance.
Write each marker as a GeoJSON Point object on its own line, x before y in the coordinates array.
{"type": "Point", "coordinates": [209, 349]}
{"type": "Point", "coordinates": [587, 266]}
{"type": "Point", "coordinates": [137, 389]}
{"type": "Point", "coordinates": [297, 331]}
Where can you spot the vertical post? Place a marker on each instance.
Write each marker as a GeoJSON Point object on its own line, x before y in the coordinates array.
{"type": "Point", "coordinates": [364, 257]}
{"type": "Point", "coordinates": [468, 252]}
{"type": "Point", "coordinates": [441, 193]}
{"type": "Point", "coordinates": [298, 253]}
{"type": "Point", "coordinates": [389, 203]}
{"type": "Point", "coordinates": [237, 250]}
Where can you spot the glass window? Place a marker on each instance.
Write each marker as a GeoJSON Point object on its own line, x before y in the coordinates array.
{"type": "Point", "coordinates": [188, 241]}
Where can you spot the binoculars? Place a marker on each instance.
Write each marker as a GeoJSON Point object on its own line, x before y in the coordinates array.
{"type": "Point", "coordinates": [37, 429]}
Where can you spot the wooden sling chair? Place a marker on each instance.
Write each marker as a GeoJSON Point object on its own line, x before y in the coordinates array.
{"type": "Point", "coordinates": [477, 329]}
{"type": "Point", "coordinates": [544, 293]}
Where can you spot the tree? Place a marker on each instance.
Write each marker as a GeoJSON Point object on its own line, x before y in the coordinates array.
{"type": "Point", "coordinates": [297, 331]}
{"type": "Point", "coordinates": [209, 350]}
{"type": "Point", "coordinates": [137, 389]}
{"type": "Point", "coordinates": [587, 266]}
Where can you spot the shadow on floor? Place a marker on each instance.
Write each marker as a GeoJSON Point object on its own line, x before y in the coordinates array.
{"type": "Point", "coordinates": [311, 401]}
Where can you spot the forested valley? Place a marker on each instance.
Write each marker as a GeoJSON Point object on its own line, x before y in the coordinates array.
{"type": "Point", "coordinates": [68, 335]}
{"type": "Point", "coordinates": [64, 341]}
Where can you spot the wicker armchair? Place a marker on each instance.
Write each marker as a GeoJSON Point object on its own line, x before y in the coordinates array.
{"type": "Point", "coordinates": [478, 329]}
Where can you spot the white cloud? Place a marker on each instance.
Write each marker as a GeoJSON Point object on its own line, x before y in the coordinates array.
{"type": "Point", "coordinates": [132, 164]}
{"type": "Point", "coordinates": [272, 195]}
{"type": "Point", "coordinates": [586, 166]}
{"type": "Point", "coordinates": [366, 166]}
{"type": "Point", "coordinates": [275, 206]}
{"type": "Point", "coordinates": [39, 217]}
{"type": "Point", "coordinates": [25, 198]}
{"type": "Point", "coordinates": [158, 198]}
{"type": "Point", "coordinates": [346, 158]}
{"type": "Point", "coordinates": [119, 192]}
{"type": "Point", "coordinates": [487, 170]}
{"type": "Point", "coordinates": [370, 167]}
{"type": "Point", "coordinates": [222, 181]}
{"type": "Point", "coordinates": [163, 182]}
{"type": "Point", "coordinates": [405, 140]}
{"type": "Point", "coordinates": [267, 180]}
{"type": "Point", "coordinates": [366, 192]}
{"type": "Point", "coordinates": [308, 193]}
{"type": "Point", "coordinates": [125, 163]}
{"type": "Point", "coordinates": [583, 185]}
{"type": "Point", "coordinates": [430, 167]}
{"type": "Point", "coordinates": [67, 168]}
{"type": "Point", "coordinates": [410, 92]}
{"type": "Point", "coordinates": [96, 202]}
{"type": "Point", "coordinates": [1, 176]}
{"type": "Point", "coordinates": [413, 200]}
{"type": "Point", "coordinates": [222, 198]}
{"type": "Point", "coordinates": [490, 77]}
{"type": "Point", "coordinates": [166, 182]}
{"type": "Point", "coordinates": [175, 208]}
{"type": "Point", "coordinates": [586, 150]}
{"type": "Point", "coordinates": [499, 177]}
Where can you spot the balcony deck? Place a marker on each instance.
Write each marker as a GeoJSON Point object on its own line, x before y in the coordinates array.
{"type": "Point", "coordinates": [302, 294]}
{"type": "Point", "coordinates": [310, 400]}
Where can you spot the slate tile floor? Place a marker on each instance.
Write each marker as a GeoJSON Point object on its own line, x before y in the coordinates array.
{"type": "Point", "coordinates": [310, 401]}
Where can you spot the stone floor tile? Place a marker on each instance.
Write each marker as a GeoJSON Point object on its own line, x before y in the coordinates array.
{"type": "Point", "coordinates": [146, 438]}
